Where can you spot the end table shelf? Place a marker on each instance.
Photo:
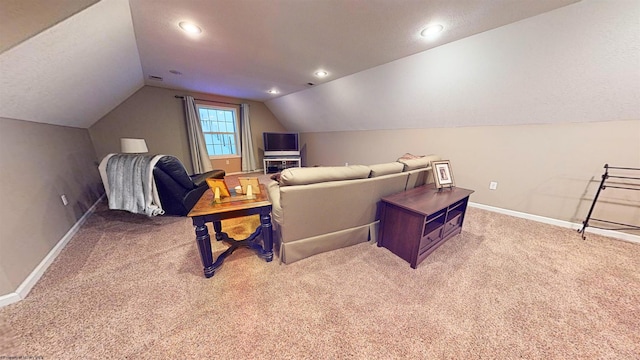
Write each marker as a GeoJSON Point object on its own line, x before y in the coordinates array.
{"type": "Point", "coordinates": [280, 163]}
{"type": "Point", "coordinates": [415, 222]}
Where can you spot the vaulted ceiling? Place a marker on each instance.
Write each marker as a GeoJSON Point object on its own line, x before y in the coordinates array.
{"type": "Point", "coordinates": [248, 47]}
{"type": "Point", "coordinates": [71, 63]}
{"type": "Point", "coordinates": [73, 72]}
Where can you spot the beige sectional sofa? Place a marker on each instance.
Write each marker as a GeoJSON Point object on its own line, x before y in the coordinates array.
{"type": "Point", "coordinates": [318, 209]}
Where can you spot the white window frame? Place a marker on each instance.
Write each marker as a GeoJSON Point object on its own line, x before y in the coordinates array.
{"type": "Point", "coordinates": [236, 121]}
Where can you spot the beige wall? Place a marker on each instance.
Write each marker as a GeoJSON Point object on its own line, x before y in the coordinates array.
{"type": "Point", "coordinates": [22, 19]}
{"type": "Point", "coordinates": [546, 170]}
{"type": "Point", "coordinates": [40, 163]}
{"type": "Point", "coordinates": [156, 115]}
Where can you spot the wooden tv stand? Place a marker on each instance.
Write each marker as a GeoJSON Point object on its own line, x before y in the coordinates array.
{"type": "Point", "coordinates": [415, 222]}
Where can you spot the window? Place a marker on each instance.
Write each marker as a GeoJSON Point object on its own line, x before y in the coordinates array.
{"type": "Point", "coordinates": [220, 129]}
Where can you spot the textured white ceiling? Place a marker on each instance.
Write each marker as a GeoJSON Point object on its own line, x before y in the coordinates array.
{"type": "Point", "coordinates": [382, 75]}
{"type": "Point", "coordinates": [248, 47]}
{"type": "Point", "coordinates": [74, 72]}
{"type": "Point", "coordinates": [579, 63]}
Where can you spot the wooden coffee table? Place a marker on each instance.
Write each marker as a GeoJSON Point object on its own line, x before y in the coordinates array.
{"type": "Point", "coordinates": [206, 210]}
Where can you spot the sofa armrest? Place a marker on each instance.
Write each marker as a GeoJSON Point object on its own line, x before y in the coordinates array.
{"type": "Point", "coordinates": [200, 179]}
{"type": "Point", "coordinates": [273, 190]}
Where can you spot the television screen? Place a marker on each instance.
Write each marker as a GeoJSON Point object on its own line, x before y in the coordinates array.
{"type": "Point", "coordinates": [281, 144]}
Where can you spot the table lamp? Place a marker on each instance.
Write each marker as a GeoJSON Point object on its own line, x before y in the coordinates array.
{"type": "Point", "coordinates": [133, 146]}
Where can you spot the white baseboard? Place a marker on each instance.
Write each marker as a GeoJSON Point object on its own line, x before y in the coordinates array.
{"type": "Point", "coordinates": [245, 172]}
{"type": "Point", "coordinates": [23, 290]}
{"type": "Point", "coordinates": [9, 299]}
{"type": "Point", "coordinates": [565, 224]}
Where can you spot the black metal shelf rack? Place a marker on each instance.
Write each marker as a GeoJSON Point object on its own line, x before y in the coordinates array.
{"type": "Point", "coordinates": [629, 185]}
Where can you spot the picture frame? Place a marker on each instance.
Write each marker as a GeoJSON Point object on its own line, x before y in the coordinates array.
{"type": "Point", "coordinates": [442, 174]}
{"type": "Point", "coordinates": [220, 184]}
{"type": "Point", "coordinates": [246, 181]}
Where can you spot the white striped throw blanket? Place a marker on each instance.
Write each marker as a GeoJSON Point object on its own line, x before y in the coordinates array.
{"type": "Point", "coordinates": [131, 184]}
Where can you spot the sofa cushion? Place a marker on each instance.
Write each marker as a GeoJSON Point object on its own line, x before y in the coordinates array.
{"type": "Point", "coordinates": [418, 163]}
{"type": "Point", "coordinates": [312, 175]}
{"type": "Point", "coordinates": [385, 169]}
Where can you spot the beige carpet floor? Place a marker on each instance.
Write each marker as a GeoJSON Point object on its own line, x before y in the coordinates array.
{"type": "Point", "coordinates": [131, 287]}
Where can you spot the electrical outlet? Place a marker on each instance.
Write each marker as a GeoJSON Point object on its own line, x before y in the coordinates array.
{"type": "Point", "coordinates": [227, 162]}
{"type": "Point", "coordinates": [493, 185]}
{"type": "Point", "coordinates": [346, 164]}
{"type": "Point", "coordinates": [64, 199]}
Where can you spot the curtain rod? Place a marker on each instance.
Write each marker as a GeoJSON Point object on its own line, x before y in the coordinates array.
{"type": "Point", "coordinates": [211, 101]}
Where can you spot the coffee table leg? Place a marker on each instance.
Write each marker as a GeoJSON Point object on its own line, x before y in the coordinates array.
{"type": "Point", "coordinates": [204, 246]}
{"type": "Point", "coordinates": [220, 235]}
{"type": "Point", "coordinates": [267, 235]}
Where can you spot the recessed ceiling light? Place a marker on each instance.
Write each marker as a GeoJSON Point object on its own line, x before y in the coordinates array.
{"type": "Point", "coordinates": [190, 27]}
{"type": "Point", "coordinates": [431, 31]}
{"type": "Point", "coordinates": [273, 91]}
{"type": "Point", "coordinates": [321, 73]}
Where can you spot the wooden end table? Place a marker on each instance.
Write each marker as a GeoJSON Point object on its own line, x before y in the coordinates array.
{"type": "Point", "coordinates": [415, 222]}
{"type": "Point", "coordinates": [206, 210]}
